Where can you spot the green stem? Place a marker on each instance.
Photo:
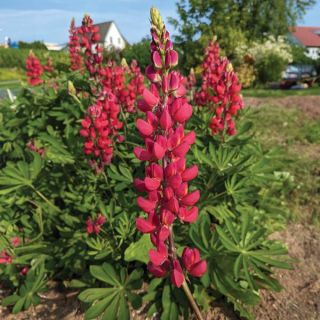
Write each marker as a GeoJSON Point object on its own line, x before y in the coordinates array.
{"type": "Point", "coordinates": [45, 199]}
{"type": "Point", "coordinates": [185, 287]}
{"type": "Point", "coordinates": [125, 122]}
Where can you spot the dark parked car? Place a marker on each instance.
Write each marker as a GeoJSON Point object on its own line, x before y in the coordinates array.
{"type": "Point", "coordinates": [298, 73]}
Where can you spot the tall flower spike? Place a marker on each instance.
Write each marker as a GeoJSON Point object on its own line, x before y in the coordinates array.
{"type": "Point", "coordinates": [220, 91]}
{"type": "Point", "coordinates": [34, 70]}
{"type": "Point", "coordinates": [90, 38]}
{"type": "Point", "coordinates": [166, 145]}
{"type": "Point", "coordinates": [74, 47]}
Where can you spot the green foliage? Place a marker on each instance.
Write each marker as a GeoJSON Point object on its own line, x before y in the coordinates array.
{"type": "Point", "coordinates": [39, 45]}
{"type": "Point", "coordinates": [16, 58]}
{"type": "Point", "coordinates": [46, 200]}
{"type": "Point", "coordinates": [28, 292]}
{"type": "Point", "coordinates": [299, 56]}
{"type": "Point", "coordinates": [138, 51]}
{"type": "Point", "coordinates": [270, 68]}
{"type": "Point", "coordinates": [234, 23]}
{"type": "Point", "coordinates": [111, 302]}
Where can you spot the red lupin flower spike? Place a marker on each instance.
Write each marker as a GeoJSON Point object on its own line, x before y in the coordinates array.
{"type": "Point", "coordinates": [220, 91]}
{"type": "Point", "coordinates": [34, 70]}
{"type": "Point", "coordinates": [168, 198]}
{"type": "Point", "coordinates": [74, 47]}
{"type": "Point", "coordinates": [90, 38]}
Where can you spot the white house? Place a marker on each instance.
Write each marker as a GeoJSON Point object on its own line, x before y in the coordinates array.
{"type": "Point", "coordinates": [308, 37]}
{"type": "Point", "coordinates": [54, 46]}
{"type": "Point", "coordinates": [111, 37]}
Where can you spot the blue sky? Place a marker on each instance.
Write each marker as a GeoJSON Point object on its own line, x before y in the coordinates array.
{"type": "Point", "coordinates": [48, 20]}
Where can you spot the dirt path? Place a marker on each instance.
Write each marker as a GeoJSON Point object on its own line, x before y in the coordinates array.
{"type": "Point", "coordinates": [309, 104]}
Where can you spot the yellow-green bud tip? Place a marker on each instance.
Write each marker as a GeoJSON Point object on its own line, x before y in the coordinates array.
{"type": "Point", "coordinates": [229, 67]}
{"type": "Point", "coordinates": [156, 19]}
{"type": "Point", "coordinates": [124, 63]}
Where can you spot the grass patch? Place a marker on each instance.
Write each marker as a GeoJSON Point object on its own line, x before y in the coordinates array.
{"type": "Point", "coordinates": [11, 74]}
{"type": "Point", "coordinates": [276, 93]}
{"type": "Point", "coordinates": [297, 138]}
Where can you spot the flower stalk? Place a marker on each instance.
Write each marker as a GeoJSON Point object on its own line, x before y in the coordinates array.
{"type": "Point", "coordinates": [166, 145]}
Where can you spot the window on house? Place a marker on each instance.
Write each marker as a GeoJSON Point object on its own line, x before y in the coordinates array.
{"type": "Point", "coordinates": [111, 40]}
{"type": "Point", "coordinates": [119, 40]}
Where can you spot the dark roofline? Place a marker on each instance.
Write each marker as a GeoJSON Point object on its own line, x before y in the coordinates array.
{"type": "Point", "coordinates": [108, 23]}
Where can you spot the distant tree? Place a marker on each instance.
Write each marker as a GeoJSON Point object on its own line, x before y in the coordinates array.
{"type": "Point", "coordinates": [139, 51]}
{"type": "Point", "coordinates": [231, 21]}
{"type": "Point", "coordinates": [299, 55]}
{"type": "Point", "coordinates": [32, 45]}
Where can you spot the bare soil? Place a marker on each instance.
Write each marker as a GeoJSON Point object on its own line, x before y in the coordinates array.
{"type": "Point", "coordinates": [299, 300]}
{"type": "Point", "coordinates": [308, 104]}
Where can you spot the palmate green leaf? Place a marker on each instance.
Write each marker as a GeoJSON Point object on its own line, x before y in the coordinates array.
{"type": "Point", "coordinates": [112, 302]}
{"type": "Point", "coordinates": [253, 254]}
{"type": "Point", "coordinates": [120, 173]}
{"type": "Point", "coordinates": [221, 157]}
{"type": "Point", "coordinates": [100, 307]}
{"type": "Point", "coordinates": [201, 156]}
{"type": "Point", "coordinates": [139, 251]}
{"type": "Point", "coordinates": [105, 273]}
{"type": "Point", "coordinates": [56, 151]}
{"type": "Point", "coordinates": [90, 295]}
{"type": "Point", "coordinates": [21, 174]}
{"type": "Point", "coordinates": [219, 212]}
{"type": "Point", "coordinates": [28, 292]}
{"type": "Point", "coordinates": [200, 233]}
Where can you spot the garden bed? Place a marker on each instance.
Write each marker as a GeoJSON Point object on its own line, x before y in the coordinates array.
{"type": "Point", "coordinates": [299, 300]}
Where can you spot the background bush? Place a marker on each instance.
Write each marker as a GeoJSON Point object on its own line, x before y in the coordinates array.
{"type": "Point", "coordinates": [46, 201]}
{"type": "Point", "coordinates": [16, 58]}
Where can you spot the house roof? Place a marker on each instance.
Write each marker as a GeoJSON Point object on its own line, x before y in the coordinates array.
{"type": "Point", "coordinates": [104, 29]}
{"type": "Point", "coordinates": [307, 36]}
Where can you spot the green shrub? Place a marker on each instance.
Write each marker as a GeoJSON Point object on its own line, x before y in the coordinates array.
{"type": "Point", "coordinates": [138, 51]}
{"type": "Point", "coordinates": [46, 200]}
{"type": "Point", "coordinates": [16, 58]}
{"type": "Point", "coordinates": [270, 68]}
{"type": "Point", "coordinates": [35, 45]}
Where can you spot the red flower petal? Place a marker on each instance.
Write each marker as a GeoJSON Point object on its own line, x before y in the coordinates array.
{"type": "Point", "coordinates": [177, 276]}
{"type": "Point", "coordinates": [199, 269]}
{"type": "Point", "coordinates": [190, 173]}
{"type": "Point", "coordinates": [145, 204]}
{"type": "Point", "coordinates": [144, 226]}
{"type": "Point", "coordinates": [151, 184]}
{"type": "Point", "coordinates": [149, 98]}
{"type": "Point", "coordinates": [191, 199]}
{"type": "Point", "coordinates": [144, 127]}
{"type": "Point", "coordinates": [183, 113]}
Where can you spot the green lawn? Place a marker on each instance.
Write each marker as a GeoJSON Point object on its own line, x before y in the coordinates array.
{"type": "Point", "coordinates": [269, 93]}
{"type": "Point", "coordinates": [296, 135]}
{"type": "Point", "coordinates": [10, 74]}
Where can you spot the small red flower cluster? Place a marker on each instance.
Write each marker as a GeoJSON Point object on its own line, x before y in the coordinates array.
{"type": "Point", "coordinates": [134, 88]}
{"type": "Point", "coordinates": [101, 124]}
{"type": "Point", "coordinates": [126, 91]}
{"type": "Point", "coordinates": [94, 226]}
{"type": "Point", "coordinates": [99, 128]}
{"type": "Point", "coordinates": [34, 70]}
{"type": "Point", "coordinates": [74, 47]}
{"type": "Point", "coordinates": [220, 90]}
{"type": "Point", "coordinates": [5, 258]}
{"type": "Point", "coordinates": [49, 65]}
{"type": "Point", "coordinates": [90, 38]}
{"type": "Point", "coordinates": [31, 145]}
{"type": "Point", "coordinates": [166, 146]}
{"type": "Point", "coordinates": [191, 80]}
